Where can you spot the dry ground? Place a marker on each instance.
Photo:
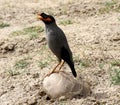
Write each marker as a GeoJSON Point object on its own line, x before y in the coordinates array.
{"type": "Point", "coordinates": [93, 31]}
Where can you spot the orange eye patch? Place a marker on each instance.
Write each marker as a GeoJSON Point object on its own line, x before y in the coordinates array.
{"type": "Point", "coordinates": [44, 19]}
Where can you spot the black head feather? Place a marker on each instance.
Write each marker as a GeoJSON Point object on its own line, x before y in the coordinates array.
{"type": "Point", "coordinates": [46, 17]}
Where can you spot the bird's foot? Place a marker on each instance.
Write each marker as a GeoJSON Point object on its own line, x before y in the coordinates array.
{"type": "Point", "coordinates": [47, 75]}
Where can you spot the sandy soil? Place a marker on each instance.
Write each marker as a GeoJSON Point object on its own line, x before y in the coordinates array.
{"type": "Point", "coordinates": [93, 32]}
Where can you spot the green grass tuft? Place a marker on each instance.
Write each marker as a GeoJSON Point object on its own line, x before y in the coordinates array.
{"type": "Point", "coordinates": [21, 64]}
{"type": "Point", "coordinates": [13, 72]}
{"type": "Point", "coordinates": [3, 25]}
{"type": "Point", "coordinates": [33, 31]}
{"type": "Point", "coordinates": [42, 64]}
{"type": "Point", "coordinates": [66, 22]}
{"type": "Point", "coordinates": [110, 6]}
{"type": "Point", "coordinates": [81, 63]}
{"type": "Point", "coordinates": [115, 76]}
{"type": "Point", "coordinates": [119, 18]}
{"type": "Point", "coordinates": [85, 63]}
{"type": "Point", "coordinates": [115, 63]}
{"type": "Point", "coordinates": [101, 66]}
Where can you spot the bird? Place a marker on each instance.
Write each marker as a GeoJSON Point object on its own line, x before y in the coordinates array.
{"type": "Point", "coordinates": [57, 42]}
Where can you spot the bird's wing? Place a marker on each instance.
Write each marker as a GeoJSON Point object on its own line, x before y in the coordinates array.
{"type": "Point", "coordinates": [66, 54]}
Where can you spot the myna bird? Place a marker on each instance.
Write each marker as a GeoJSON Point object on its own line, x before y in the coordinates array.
{"type": "Point", "coordinates": [57, 42]}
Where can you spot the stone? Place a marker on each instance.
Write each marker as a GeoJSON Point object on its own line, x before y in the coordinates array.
{"type": "Point", "coordinates": [63, 84]}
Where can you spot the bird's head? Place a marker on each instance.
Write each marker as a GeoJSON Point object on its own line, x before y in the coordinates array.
{"type": "Point", "coordinates": [47, 19]}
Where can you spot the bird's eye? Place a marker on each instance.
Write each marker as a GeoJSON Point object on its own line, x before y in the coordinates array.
{"type": "Point", "coordinates": [44, 16]}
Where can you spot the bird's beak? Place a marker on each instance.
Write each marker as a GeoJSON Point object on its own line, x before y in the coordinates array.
{"type": "Point", "coordinates": [39, 17]}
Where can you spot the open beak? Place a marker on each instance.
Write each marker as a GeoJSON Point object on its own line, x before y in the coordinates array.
{"type": "Point", "coordinates": [39, 17]}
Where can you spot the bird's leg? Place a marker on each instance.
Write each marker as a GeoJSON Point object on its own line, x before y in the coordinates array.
{"type": "Point", "coordinates": [53, 70]}
{"type": "Point", "coordinates": [61, 64]}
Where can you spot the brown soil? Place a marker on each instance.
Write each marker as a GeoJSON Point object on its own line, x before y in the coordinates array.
{"type": "Point", "coordinates": [94, 37]}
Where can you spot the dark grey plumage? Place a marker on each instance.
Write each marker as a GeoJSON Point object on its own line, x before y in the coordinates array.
{"type": "Point", "coordinates": [57, 41]}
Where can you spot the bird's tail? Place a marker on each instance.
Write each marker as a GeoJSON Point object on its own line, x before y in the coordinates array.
{"type": "Point", "coordinates": [71, 65]}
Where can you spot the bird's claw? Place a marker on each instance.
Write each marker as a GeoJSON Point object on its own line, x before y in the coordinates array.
{"type": "Point", "coordinates": [47, 75]}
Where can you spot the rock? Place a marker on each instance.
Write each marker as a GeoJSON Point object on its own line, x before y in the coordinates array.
{"type": "Point", "coordinates": [9, 47]}
{"type": "Point", "coordinates": [63, 84]}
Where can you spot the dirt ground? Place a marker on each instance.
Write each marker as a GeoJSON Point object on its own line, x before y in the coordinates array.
{"type": "Point", "coordinates": [92, 28]}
